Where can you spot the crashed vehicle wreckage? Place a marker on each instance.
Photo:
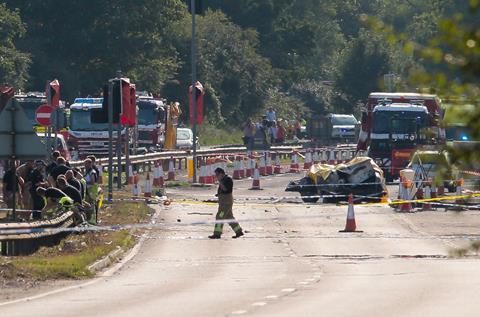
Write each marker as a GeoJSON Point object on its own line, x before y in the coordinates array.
{"type": "Point", "coordinates": [360, 177]}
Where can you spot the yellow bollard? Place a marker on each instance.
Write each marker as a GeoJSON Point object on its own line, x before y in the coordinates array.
{"type": "Point", "coordinates": [190, 168]}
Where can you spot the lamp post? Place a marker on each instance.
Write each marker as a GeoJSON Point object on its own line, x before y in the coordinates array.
{"type": "Point", "coordinates": [194, 95]}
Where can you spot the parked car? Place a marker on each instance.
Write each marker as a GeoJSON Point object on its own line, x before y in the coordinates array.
{"type": "Point", "coordinates": [185, 139]}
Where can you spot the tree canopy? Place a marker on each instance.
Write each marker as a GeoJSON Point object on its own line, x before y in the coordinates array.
{"type": "Point", "coordinates": [314, 55]}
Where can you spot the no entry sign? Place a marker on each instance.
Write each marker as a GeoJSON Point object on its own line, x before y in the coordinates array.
{"type": "Point", "coordinates": [43, 115]}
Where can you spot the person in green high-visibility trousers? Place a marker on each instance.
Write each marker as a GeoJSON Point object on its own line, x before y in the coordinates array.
{"type": "Point", "coordinates": [225, 204]}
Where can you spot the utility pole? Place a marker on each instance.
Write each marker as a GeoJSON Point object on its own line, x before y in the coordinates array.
{"type": "Point", "coordinates": [110, 141]}
{"type": "Point", "coordinates": [194, 94]}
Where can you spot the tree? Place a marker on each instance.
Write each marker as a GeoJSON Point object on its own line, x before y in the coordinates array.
{"type": "Point", "coordinates": [236, 78]}
{"type": "Point", "coordinates": [14, 64]}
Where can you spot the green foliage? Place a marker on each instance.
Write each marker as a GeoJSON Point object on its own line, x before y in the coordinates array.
{"type": "Point", "coordinates": [211, 135]}
{"type": "Point", "coordinates": [13, 63]}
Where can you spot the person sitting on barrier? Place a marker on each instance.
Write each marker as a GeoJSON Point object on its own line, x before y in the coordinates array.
{"type": "Point", "coordinates": [55, 199]}
{"type": "Point", "coordinates": [60, 169]}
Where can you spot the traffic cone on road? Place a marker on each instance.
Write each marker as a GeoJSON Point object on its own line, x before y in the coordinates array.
{"type": "Point", "coordinates": [171, 169]}
{"type": "Point", "coordinates": [307, 163]}
{"type": "Point", "coordinates": [350, 225]}
{"type": "Point", "coordinates": [242, 167]}
{"type": "Point", "coordinates": [148, 187]}
{"type": "Point", "coordinates": [236, 168]}
{"type": "Point", "coordinates": [426, 206]}
{"type": "Point", "coordinates": [269, 167]}
{"type": "Point", "coordinates": [294, 167]}
{"type": "Point", "coordinates": [256, 179]}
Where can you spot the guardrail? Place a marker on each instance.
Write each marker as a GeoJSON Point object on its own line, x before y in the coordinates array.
{"type": "Point", "coordinates": [14, 242]}
{"type": "Point", "coordinates": [227, 151]}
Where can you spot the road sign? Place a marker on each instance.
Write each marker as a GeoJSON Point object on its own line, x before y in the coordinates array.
{"type": "Point", "coordinates": [43, 115]}
{"type": "Point", "coordinates": [17, 137]}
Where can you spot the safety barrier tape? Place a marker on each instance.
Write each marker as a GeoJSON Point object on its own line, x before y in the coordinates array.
{"type": "Point", "coordinates": [195, 223]}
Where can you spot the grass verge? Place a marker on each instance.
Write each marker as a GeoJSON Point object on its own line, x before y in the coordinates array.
{"type": "Point", "coordinates": [71, 258]}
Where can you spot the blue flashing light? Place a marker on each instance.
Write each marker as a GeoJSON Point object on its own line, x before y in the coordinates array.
{"type": "Point", "coordinates": [464, 137]}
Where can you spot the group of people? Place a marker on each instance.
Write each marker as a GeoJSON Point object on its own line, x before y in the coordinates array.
{"type": "Point", "coordinates": [273, 130]}
{"type": "Point", "coordinates": [52, 188]}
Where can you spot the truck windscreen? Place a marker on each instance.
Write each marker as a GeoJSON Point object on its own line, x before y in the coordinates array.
{"type": "Point", "coordinates": [148, 114]}
{"type": "Point", "coordinates": [398, 121]}
{"type": "Point", "coordinates": [80, 121]}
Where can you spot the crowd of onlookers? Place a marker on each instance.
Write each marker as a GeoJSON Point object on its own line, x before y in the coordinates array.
{"type": "Point", "coordinates": [55, 186]}
{"type": "Point", "coordinates": [273, 130]}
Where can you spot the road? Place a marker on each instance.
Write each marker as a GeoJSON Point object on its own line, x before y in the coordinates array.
{"type": "Point", "coordinates": [292, 262]}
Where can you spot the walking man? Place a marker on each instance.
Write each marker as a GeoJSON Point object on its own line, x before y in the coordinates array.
{"type": "Point", "coordinates": [225, 204]}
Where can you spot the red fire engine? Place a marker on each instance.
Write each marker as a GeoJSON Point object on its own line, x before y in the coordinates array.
{"type": "Point", "coordinates": [394, 125]}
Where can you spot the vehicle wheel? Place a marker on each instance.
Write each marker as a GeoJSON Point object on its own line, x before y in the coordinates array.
{"type": "Point", "coordinates": [309, 199]}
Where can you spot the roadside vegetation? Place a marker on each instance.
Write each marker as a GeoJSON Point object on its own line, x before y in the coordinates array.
{"type": "Point", "coordinates": [71, 258]}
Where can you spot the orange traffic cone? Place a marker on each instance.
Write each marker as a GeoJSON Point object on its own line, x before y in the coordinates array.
{"type": "Point", "coordinates": [350, 225]}
{"type": "Point", "coordinates": [428, 195]}
{"type": "Point", "coordinates": [256, 179]}
{"type": "Point", "coordinates": [307, 163]}
{"type": "Point", "coordinates": [236, 168]}
{"type": "Point", "coordinates": [148, 187]}
{"type": "Point", "coordinates": [250, 166]}
{"type": "Point", "coordinates": [269, 168]}
{"type": "Point", "coordinates": [242, 167]}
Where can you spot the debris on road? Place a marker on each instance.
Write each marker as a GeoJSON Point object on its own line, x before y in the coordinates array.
{"type": "Point", "coordinates": [360, 177]}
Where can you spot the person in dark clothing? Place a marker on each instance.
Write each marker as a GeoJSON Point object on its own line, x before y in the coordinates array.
{"type": "Point", "coordinates": [55, 198]}
{"type": "Point", "coordinates": [8, 185]}
{"type": "Point", "coordinates": [53, 164]}
{"type": "Point", "coordinates": [71, 191]}
{"type": "Point", "coordinates": [60, 169]}
{"type": "Point", "coordinates": [225, 204]}
{"type": "Point", "coordinates": [71, 180]}
{"type": "Point", "coordinates": [34, 180]}
{"type": "Point", "coordinates": [94, 166]}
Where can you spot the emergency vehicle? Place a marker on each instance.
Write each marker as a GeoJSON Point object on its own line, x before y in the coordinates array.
{"type": "Point", "coordinates": [151, 119]}
{"type": "Point", "coordinates": [85, 137]}
{"type": "Point", "coordinates": [394, 125]}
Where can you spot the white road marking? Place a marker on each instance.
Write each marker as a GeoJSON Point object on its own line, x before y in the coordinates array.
{"type": "Point", "coordinates": [239, 312]}
{"type": "Point", "coordinates": [303, 283]}
{"type": "Point", "coordinates": [259, 304]}
{"type": "Point", "coordinates": [271, 297]}
{"type": "Point", "coordinates": [288, 290]}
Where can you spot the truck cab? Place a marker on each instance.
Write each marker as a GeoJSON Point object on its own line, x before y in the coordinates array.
{"type": "Point", "coordinates": [151, 120]}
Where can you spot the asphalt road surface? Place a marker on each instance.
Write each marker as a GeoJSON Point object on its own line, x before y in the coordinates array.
{"type": "Point", "coordinates": [291, 262]}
